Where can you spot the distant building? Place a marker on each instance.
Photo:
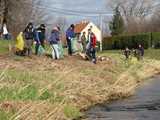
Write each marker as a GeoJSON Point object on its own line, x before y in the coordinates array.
{"type": "Point", "coordinates": [84, 26]}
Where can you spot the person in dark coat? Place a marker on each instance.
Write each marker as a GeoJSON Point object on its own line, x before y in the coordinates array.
{"type": "Point", "coordinates": [70, 34]}
{"type": "Point", "coordinates": [127, 53]}
{"type": "Point", "coordinates": [29, 37]}
{"type": "Point", "coordinates": [40, 38]}
{"type": "Point", "coordinates": [140, 52]}
{"type": "Point", "coordinates": [84, 41]}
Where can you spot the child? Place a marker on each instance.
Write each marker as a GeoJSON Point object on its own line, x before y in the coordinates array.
{"type": "Point", "coordinates": [127, 53]}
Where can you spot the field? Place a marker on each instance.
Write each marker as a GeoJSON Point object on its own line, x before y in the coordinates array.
{"type": "Point", "coordinates": [40, 88]}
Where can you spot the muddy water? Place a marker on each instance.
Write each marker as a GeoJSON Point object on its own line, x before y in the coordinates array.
{"type": "Point", "coordinates": [144, 105]}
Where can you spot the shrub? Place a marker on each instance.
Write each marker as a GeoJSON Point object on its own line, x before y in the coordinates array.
{"type": "Point", "coordinates": [71, 112]}
{"type": "Point", "coordinates": [131, 41]}
{"type": "Point", "coordinates": [45, 95]}
{"type": "Point", "coordinates": [156, 40]}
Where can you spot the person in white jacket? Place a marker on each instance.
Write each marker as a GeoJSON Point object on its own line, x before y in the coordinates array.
{"type": "Point", "coordinates": [5, 32]}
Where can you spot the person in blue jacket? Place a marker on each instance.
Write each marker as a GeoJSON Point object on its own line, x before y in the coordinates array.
{"type": "Point", "coordinates": [40, 37]}
{"type": "Point", "coordinates": [70, 34]}
{"type": "Point", "coordinates": [54, 41]}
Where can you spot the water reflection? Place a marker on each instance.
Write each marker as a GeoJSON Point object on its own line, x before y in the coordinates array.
{"type": "Point", "coordinates": [145, 105]}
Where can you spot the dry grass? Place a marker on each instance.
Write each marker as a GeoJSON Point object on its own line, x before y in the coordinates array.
{"type": "Point", "coordinates": [43, 89]}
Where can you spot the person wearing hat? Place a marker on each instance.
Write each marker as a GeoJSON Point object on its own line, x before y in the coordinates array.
{"type": "Point", "coordinates": [54, 41]}
{"type": "Point", "coordinates": [40, 37]}
{"type": "Point", "coordinates": [70, 34]}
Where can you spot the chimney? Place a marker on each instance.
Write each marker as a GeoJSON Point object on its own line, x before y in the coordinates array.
{"type": "Point", "coordinates": [85, 21]}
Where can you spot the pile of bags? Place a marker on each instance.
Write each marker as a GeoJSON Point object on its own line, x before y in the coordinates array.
{"type": "Point", "coordinates": [76, 46]}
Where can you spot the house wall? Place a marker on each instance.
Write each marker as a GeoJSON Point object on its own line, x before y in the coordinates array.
{"type": "Point", "coordinates": [95, 30]}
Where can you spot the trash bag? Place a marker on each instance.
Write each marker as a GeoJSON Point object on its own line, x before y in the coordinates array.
{"type": "Point", "coordinates": [41, 50]}
{"type": "Point", "coordinates": [80, 46]}
{"type": "Point", "coordinates": [73, 44]}
{"type": "Point", "coordinates": [61, 51]}
{"type": "Point", "coordinates": [76, 46]}
{"type": "Point", "coordinates": [20, 42]}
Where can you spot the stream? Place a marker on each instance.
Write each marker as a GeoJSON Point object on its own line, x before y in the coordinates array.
{"type": "Point", "coordinates": [144, 105]}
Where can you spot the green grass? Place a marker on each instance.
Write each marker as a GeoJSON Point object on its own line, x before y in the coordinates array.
{"type": "Point", "coordinates": [49, 84]}
{"type": "Point", "coordinates": [5, 115]}
{"type": "Point", "coordinates": [153, 54]}
{"type": "Point", "coordinates": [4, 46]}
{"type": "Point", "coordinates": [26, 85]}
{"type": "Point", "coordinates": [28, 93]}
{"type": "Point", "coordinates": [149, 53]}
{"type": "Point", "coordinates": [71, 112]}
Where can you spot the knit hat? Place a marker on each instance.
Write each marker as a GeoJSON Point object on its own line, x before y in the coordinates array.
{"type": "Point", "coordinates": [56, 28]}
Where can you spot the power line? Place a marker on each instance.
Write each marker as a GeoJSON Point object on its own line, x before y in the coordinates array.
{"type": "Point", "coordinates": [65, 13]}
{"type": "Point", "coordinates": [77, 11]}
{"type": "Point", "coordinates": [69, 12]}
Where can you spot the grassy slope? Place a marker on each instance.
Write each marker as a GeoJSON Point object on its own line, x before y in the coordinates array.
{"type": "Point", "coordinates": [150, 53]}
{"type": "Point", "coordinates": [42, 89]}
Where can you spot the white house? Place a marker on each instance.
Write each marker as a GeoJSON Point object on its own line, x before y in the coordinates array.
{"type": "Point", "coordinates": [84, 26]}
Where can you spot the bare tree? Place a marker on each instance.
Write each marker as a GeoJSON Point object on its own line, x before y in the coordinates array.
{"type": "Point", "coordinates": [19, 12]}
{"type": "Point", "coordinates": [39, 15]}
{"type": "Point", "coordinates": [61, 22]}
{"type": "Point", "coordinates": [154, 23]}
{"type": "Point", "coordinates": [2, 11]}
{"type": "Point", "coordinates": [136, 13]}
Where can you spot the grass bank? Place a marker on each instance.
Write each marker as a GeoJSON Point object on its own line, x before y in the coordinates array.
{"type": "Point", "coordinates": [43, 89]}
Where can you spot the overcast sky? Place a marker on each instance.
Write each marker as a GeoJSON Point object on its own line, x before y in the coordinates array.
{"type": "Point", "coordinates": [78, 5]}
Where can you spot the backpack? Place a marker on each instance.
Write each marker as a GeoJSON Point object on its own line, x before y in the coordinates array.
{"type": "Point", "coordinates": [29, 33]}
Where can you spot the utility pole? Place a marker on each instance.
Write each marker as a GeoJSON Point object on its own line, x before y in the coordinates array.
{"type": "Point", "coordinates": [101, 28]}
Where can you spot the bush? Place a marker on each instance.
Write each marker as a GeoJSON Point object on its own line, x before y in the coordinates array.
{"type": "Point", "coordinates": [156, 40]}
{"type": "Point", "coordinates": [131, 41]}
{"type": "Point", "coordinates": [71, 112]}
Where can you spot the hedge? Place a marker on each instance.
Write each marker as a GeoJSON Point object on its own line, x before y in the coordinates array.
{"type": "Point", "coordinates": [155, 40]}
{"type": "Point", "coordinates": [132, 41]}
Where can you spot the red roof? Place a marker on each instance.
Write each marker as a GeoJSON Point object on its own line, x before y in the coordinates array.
{"type": "Point", "coordinates": [80, 26]}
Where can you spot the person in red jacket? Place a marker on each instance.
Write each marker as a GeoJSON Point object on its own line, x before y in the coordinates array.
{"type": "Point", "coordinates": [91, 49]}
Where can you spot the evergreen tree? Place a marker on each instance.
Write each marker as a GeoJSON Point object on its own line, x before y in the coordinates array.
{"type": "Point", "coordinates": [117, 24]}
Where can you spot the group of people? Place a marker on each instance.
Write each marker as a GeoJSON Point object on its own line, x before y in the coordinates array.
{"type": "Point", "coordinates": [38, 37]}
{"type": "Point", "coordinates": [32, 35]}
{"type": "Point", "coordinates": [138, 53]}
{"type": "Point", "coordinates": [88, 42]}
